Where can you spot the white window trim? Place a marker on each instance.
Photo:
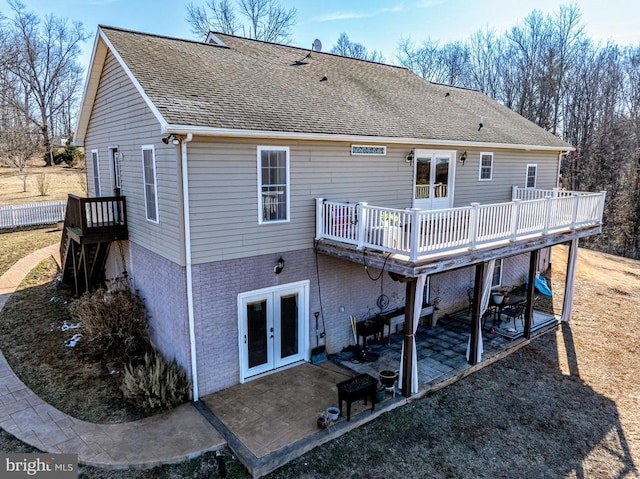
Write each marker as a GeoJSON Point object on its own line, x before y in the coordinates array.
{"type": "Point", "coordinates": [495, 286]}
{"type": "Point", "coordinates": [288, 187]}
{"type": "Point", "coordinates": [95, 166]}
{"type": "Point", "coordinates": [526, 175]}
{"type": "Point", "coordinates": [113, 164]}
{"type": "Point", "coordinates": [155, 182]}
{"type": "Point", "coordinates": [480, 178]}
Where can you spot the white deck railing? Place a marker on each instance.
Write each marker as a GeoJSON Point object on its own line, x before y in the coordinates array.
{"type": "Point", "coordinates": [532, 212]}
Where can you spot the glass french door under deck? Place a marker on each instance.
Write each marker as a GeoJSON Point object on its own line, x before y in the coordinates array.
{"type": "Point", "coordinates": [433, 179]}
{"type": "Point", "coordinates": [273, 328]}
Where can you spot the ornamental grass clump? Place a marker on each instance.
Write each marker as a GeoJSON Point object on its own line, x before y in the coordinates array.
{"type": "Point", "coordinates": [155, 384]}
{"type": "Point", "coordinates": [113, 323]}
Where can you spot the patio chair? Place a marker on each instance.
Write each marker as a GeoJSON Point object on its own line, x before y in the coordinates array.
{"type": "Point", "coordinates": [491, 311]}
{"type": "Point", "coordinates": [515, 311]}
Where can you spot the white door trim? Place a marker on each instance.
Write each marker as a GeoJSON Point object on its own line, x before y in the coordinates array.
{"type": "Point", "coordinates": [430, 203]}
{"type": "Point", "coordinates": [272, 294]}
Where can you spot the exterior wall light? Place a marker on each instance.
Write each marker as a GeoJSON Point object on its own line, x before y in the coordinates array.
{"type": "Point", "coordinates": [277, 269]}
{"type": "Point", "coordinates": [409, 157]}
{"type": "Point", "coordinates": [463, 158]}
{"type": "Point", "coordinates": [171, 138]}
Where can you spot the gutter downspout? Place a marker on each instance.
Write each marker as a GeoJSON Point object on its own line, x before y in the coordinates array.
{"type": "Point", "coordinates": [187, 246]}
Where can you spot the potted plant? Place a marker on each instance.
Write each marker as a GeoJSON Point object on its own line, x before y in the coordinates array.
{"type": "Point", "coordinates": [323, 420]}
{"type": "Point", "coordinates": [388, 374]}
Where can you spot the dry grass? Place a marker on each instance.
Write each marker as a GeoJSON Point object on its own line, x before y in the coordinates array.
{"type": "Point", "coordinates": [32, 340]}
{"type": "Point", "coordinates": [62, 181]}
{"type": "Point", "coordinates": [18, 244]}
{"type": "Point", "coordinates": [567, 406]}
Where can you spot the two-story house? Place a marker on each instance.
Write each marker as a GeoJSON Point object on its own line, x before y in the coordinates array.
{"type": "Point", "coordinates": [264, 183]}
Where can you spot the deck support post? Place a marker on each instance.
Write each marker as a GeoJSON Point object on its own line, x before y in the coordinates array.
{"type": "Point", "coordinates": [475, 313]}
{"type": "Point", "coordinates": [528, 312]}
{"type": "Point", "coordinates": [85, 263]}
{"type": "Point", "coordinates": [76, 270]}
{"type": "Point", "coordinates": [569, 283]}
{"type": "Point", "coordinates": [408, 359]}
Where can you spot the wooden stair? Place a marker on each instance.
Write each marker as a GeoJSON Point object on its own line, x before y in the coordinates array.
{"type": "Point", "coordinates": [90, 226]}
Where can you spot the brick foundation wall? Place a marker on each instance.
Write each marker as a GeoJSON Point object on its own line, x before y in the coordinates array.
{"type": "Point", "coordinates": [217, 286]}
{"type": "Point", "coordinates": [162, 285]}
{"type": "Point", "coordinates": [345, 289]}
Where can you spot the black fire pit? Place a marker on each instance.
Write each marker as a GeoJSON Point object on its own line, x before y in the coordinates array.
{"type": "Point", "coordinates": [362, 386]}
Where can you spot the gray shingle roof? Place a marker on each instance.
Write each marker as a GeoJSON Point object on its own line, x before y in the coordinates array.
{"type": "Point", "coordinates": [253, 85]}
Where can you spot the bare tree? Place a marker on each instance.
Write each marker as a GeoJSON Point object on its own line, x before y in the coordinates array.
{"type": "Point", "coordinates": [263, 20]}
{"type": "Point", "coordinates": [446, 64]}
{"type": "Point", "coordinates": [347, 48]}
{"type": "Point", "coordinates": [547, 70]}
{"type": "Point", "coordinates": [218, 17]}
{"type": "Point", "coordinates": [44, 60]}
{"type": "Point", "coordinates": [18, 146]}
{"type": "Point", "coordinates": [453, 64]}
{"type": "Point", "coordinates": [484, 62]}
{"type": "Point", "coordinates": [423, 60]}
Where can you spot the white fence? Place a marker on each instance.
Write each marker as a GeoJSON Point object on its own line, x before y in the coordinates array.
{"type": "Point", "coordinates": [436, 231]}
{"type": "Point", "coordinates": [33, 214]}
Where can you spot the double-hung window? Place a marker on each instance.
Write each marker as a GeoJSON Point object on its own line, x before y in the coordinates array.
{"type": "Point", "coordinates": [532, 173]}
{"type": "Point", "coordinates": [486, 167]}
{"type": "Point", "coordinates": [95, 165]}
{"type": "Point", "coordinates": [273, 184]}
{"type": "Point", "coordinates": [150, 182]}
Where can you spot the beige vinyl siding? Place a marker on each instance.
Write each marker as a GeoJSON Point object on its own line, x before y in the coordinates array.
{"type": "Point", "coordinates": [224, 193]}
{"type": "Point", "coordinates": [223, 189]}
{"type": "Point", "coordinates": [121, 118]}
{"type": "Point", "coordinates": [509, 169]}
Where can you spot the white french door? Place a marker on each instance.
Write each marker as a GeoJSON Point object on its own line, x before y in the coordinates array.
{"type": "Point", "coordinates": [273, 328]}
{"type": "Point", "coordinates": [433, 179]}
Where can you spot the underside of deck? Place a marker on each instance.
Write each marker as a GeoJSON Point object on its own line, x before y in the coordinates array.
{"type": "Point", "coordinates": [450, 260]}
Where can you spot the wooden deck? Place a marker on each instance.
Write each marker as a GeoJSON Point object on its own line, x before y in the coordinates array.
{"type": "Point", "coordinates": [90, 225]}
{"type": "Point", "coordinates": [413, 242]}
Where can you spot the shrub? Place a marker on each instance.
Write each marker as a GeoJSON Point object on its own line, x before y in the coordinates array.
{"type": "Point", "coordinates": [155, 385]}
{"type": "Point", "coordinates": [42, 182]}
{"type": "Point", "coordinates": [114, 323]}
{"type": "Point", "coordinates": [69, 154]}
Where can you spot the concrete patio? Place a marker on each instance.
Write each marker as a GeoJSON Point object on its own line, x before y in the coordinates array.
{"type": "Point", "coordinates": [271, 420]}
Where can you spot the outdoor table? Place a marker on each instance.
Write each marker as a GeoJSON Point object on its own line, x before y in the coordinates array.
{"type": "Point", "coordinates": [508, 301]}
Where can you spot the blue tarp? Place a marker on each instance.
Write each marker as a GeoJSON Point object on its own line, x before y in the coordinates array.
{"type": "Point", "coordinates": [541, 285]}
